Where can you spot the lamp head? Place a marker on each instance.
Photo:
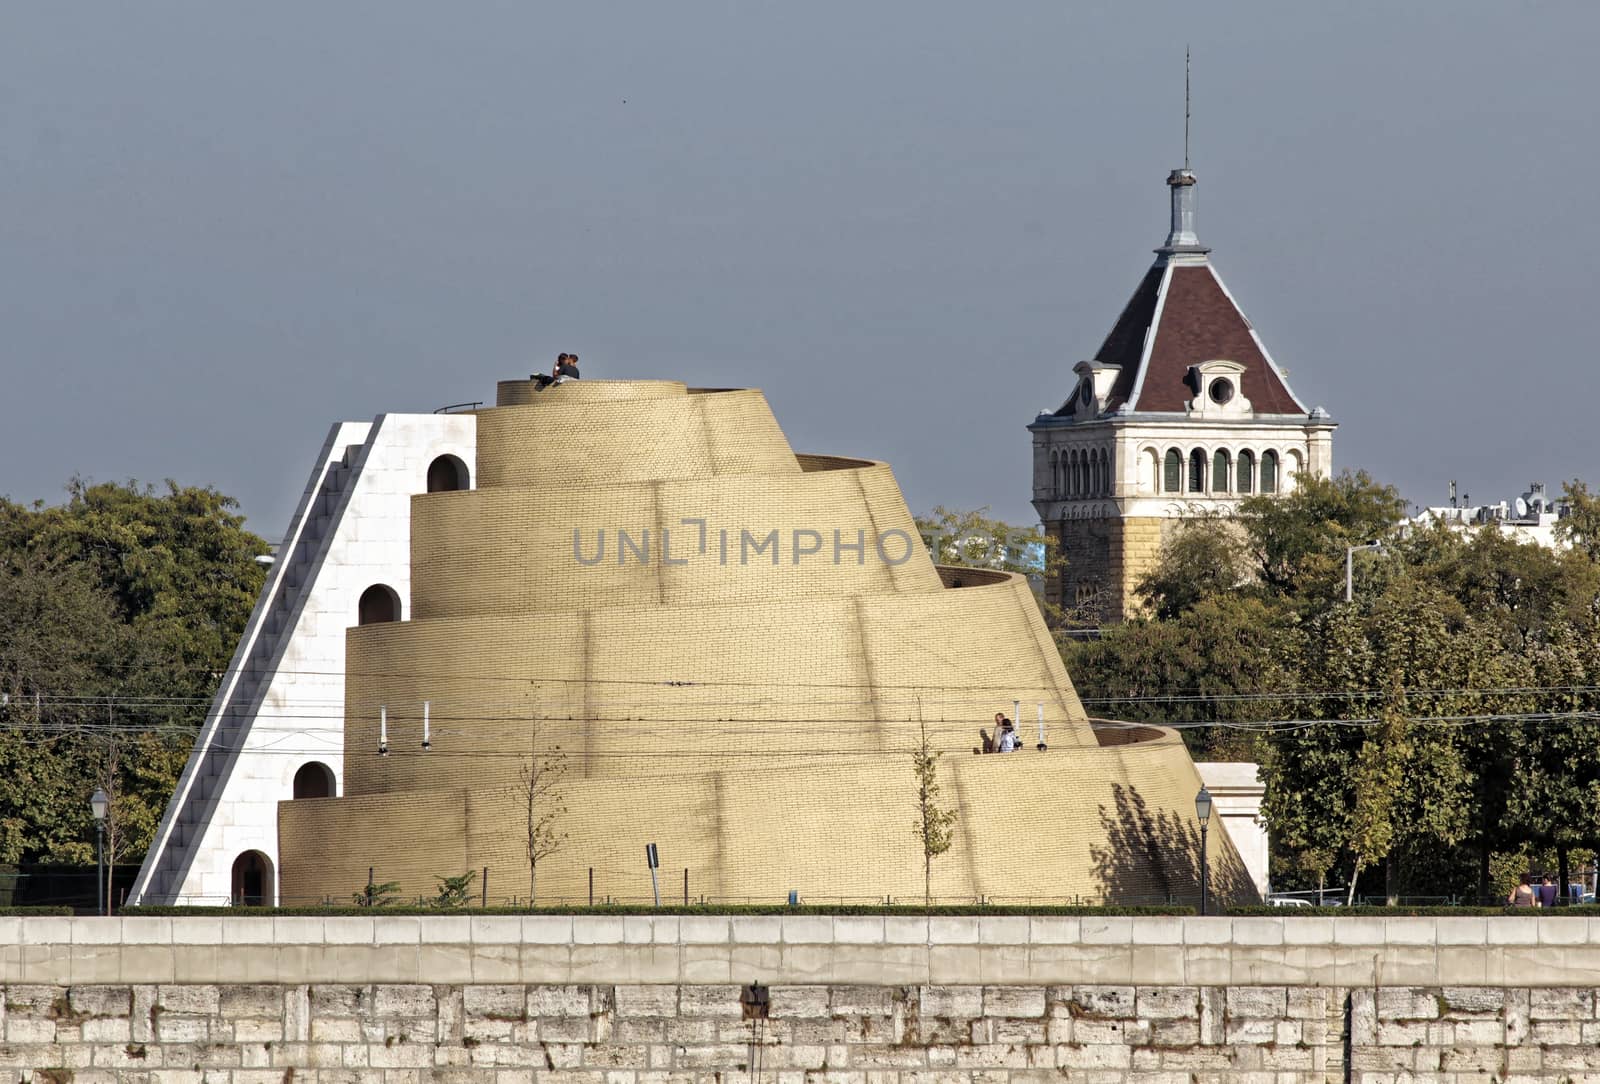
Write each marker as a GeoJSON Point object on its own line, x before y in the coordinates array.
{"type": "Point", "coordinates": [1202, 804]}
{"type": "Point", "coordinates": [100, 804]}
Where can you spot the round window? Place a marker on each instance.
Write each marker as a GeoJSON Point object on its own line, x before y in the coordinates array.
{"type": "Point", "coordinates": [1221, 391]}
{"type": "Point", "coordinates": [1086, 393]}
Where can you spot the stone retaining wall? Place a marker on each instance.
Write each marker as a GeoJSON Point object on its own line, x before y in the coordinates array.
{"type": "Point", "coordinates": [852, 1000]}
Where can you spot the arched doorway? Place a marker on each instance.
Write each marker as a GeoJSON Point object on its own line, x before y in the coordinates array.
{"type": "Point", "coordinates": [447, 474]}
{"type": "Point", "coordinates": [252, 880]}
{"type": "Point", "coordinates": [379, 603]}
{"type": "Point", "coordinates": [314, 780]}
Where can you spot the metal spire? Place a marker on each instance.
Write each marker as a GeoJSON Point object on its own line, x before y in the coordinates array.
{"type": "Point", "coordinates": [1185, 107]}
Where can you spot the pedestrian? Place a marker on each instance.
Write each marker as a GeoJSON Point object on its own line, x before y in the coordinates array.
{"type": "Point", "coordinates": [565, 369]}
{"type": "Point", "coordinates": [1008, 735]}
{"type": "Point", "coordinates": [1547, 892]}
{"type": "Point", "coordinates": [1522, 895]}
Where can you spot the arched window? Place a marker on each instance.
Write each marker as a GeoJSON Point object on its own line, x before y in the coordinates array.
{"type": "Point", "coordinates": [252, 880]}
{"type": "Point", "coordinates": [1197, 471]}
{"type": "Point", "coordinates": [1149, 471]}
{"type": "Point", "coordinates": [1220, 472]}
{"type": "Point", "coordinates": [378, 604]}
{"type": "Point", "coordinates": [1172, 472]}
{"type": "Point", "coordinates": [447, 474]}
{"type": "Point", "coordinates": [314, 780]}
{"type": "Point", "coordinates": [1094, 474]}
{"type": "Point", "coordinates": [1246, 473]}
{"type": "Point", "coordinates": [1055, 474]}
{"type": "Point", "coordinates": [1293, 465]}
{"type": "Point", "coordinates": [1077, 474]}
{"type": "Point", "coordinates": [1105, 473]}
{"type": "Point", "coordinates": [1269, 472]}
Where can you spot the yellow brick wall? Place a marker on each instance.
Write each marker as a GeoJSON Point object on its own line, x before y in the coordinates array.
{"type": "Point", "coordinates": [757, 722]}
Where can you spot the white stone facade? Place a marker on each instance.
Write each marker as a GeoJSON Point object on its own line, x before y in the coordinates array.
{"type": "Point", "coordinates": [281, 704]}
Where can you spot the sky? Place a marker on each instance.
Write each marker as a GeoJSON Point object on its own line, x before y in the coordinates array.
{"type": "Point", "coordinates": [225, 227]}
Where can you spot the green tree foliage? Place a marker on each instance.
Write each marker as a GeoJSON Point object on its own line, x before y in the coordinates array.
{"type": "Point", "coordinates": [1446, 718]}
{"type": "Point", "coordinates": [1296, 542]}
{"type": "Point", "coordinates": [1580, 527]}
{"type": "Point", "coordinates": [119, 609]}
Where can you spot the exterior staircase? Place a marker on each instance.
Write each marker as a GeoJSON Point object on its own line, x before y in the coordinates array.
{"type": "Point", "coordinates": [245, 684]}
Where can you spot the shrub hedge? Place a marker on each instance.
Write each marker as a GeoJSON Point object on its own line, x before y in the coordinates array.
{"type": "Point", "coordinates": [692, 909]}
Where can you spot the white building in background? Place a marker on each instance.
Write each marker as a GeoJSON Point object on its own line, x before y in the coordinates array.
{"type": "Point", "coordinates": [1236, 793]}
{"type": "Point", "coordinates": [276, 728]}
{"type": "Point", "coordinates": [1532, 517]}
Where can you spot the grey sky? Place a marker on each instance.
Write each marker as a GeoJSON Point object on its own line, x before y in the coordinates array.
{"type": "Point", "coordinates": [224, 227]}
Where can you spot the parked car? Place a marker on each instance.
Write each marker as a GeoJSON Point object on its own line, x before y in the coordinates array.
{"type": "Point", "coordinates": [1288, 901]}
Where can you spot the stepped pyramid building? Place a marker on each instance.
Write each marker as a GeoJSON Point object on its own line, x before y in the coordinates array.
{"type": "Point", "coordinates": [1182, 412]}
{"type": "Point", "coordinates": [706, 641]}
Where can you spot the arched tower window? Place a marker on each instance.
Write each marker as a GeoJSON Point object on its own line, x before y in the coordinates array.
{"type": "Point", "coordinates": [1172, 472]}
{"type": "Point", "coordinates": [1293, 465]}
{"type": "Point", "coordinates": [1246, 473]}
{"type": "Point", "coordinates": [1220, 471]}
{"type": "Point", "coordinates": [447, 474]}
{"type": "Point", "coordinates": [1055, 473]}
{"type": "Point", "coordinates": [1105, 472]}
{"type": "Point", "coordinates": [1149, 471]}
{"type": "Point", "coordinates": [379, 603]}
{"type": "Point", "coordinates": [1197, 471]}
{"type": "Point", "coordinates": [1077, 474]}
{"type": "Point", "coordinates": [314, 780]}
{"type": "Point", "coordinates": [1269, 472]}
{"type": "Point", "coordinates": [252, 880]}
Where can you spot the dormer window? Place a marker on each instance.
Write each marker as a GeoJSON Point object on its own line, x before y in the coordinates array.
{"type": "Point", "coordinates": [1217, 388]}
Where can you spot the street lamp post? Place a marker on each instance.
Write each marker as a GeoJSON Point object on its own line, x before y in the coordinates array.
{"type": "Point", "coordinates": [1349, 566]}
{"type": "Point", "coordinates": [100, 805]}
{"type": "Point", "coordinates": [1202, 810]}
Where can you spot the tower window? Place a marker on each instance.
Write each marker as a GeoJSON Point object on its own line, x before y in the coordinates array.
{"type": "Point", "coordinates": [1221, 390]}
{"type": "Point", "coordinates": [379, 603]}
{"type": "Point", "coordinates": [1269, 472]}
{"type": "Point", "coordinates": [447, 474]}
{"type": "Point", "coordinates": [1172, 472]}
{"type": "Point", "coordinates": [1246, 473]}
{"type": "Point", "coordinates": [1220, 472]}
{"type": "Point", "coordinates": [314, 780]}
{"type": "Point", "coordinates": [1197, 471]}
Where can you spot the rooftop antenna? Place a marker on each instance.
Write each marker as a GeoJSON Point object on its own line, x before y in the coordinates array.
{"type": "Point", "coordinates": [1185, 107]}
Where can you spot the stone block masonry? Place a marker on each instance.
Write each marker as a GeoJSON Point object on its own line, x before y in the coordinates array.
{"type": "Point", "coordinates": [657, 1000]}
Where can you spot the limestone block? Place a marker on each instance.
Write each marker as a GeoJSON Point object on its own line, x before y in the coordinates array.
{"type": "Point", "coordinates": [100, 1000]}
{"type": "Point", "coordinates": [1006, 1001]}
{"type": "Point", "coordinates": [1259, 1001]}
{"type": "Point", "coordinates": [1168, 1002]}
{"type": "Point", "coordinates": [1103, 1001]}
{"type": "Point", "coordinates": [1158, 964]}
{"type": "Point", "coordinates": [404, 1001]}
{"type": "Point", "coordinates": [951, 1001]}
{"type": "Point", "coordinates": [1407, 1004]}
{"type": "Point", "coordinates": [654, 1000]}
{"type": "Point", "coordinates": [1561, 1003]}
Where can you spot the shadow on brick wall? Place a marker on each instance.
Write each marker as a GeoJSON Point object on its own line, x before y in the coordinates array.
{"type": "Point", "coordinates": [1155, 855]}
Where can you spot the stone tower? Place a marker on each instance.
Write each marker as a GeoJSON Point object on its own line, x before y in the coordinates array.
{"type": "Point", "coordinates": [1181, 412]}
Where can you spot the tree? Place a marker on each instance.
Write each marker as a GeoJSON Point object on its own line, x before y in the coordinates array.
{"type": "Point", "coordinates": [1203, 558]}
{"type": "Point", "coordinates": [543, 807]}
{"type": "Point", "coordinates": [118, 612]}
{"type": "Point", "coordinates": [1580, 527]}
{"type": "Point", "coordinates": [1226, 660]}
{"type": "Point", "coordinates": [973, 539]}
{"type": "Point", "coordinates": [1297, 540]}
{"type": "Point", "coordinates": [934, 824]}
